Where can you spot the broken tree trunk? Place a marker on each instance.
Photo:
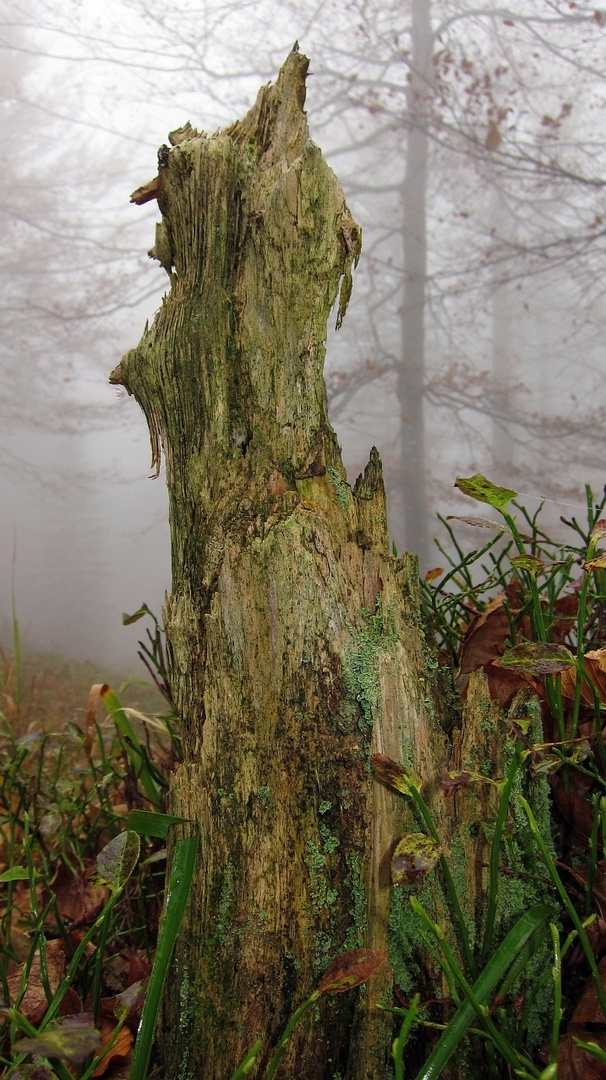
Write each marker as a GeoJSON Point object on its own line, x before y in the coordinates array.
{"type": "Point", "coordinates": [292, 633]}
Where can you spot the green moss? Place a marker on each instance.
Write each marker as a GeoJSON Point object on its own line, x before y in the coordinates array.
{"type": "Point", "coordinates": [330, 841]}
{"type": "Point", "coordinates": [456, 862]}
{"type": "Point", "coordinates": [322, 896]}
{"type": "Point", "coordinates": [263, 795]}
{"type": "Point", "coordinates": [358, 910]}
{"type": "Point", "coordinates": [323, 903]}
{"type": "Point", "coordinates": [225, 928]}
{"type": "Point", "coordinates": [361, 670]}
{"type": "Point", "coordinates": [405, 935]}
{"type": "Point", "coordinates": [342, 489]}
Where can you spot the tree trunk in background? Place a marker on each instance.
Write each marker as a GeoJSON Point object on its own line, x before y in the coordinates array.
{"type": "Point", "coordinates": [292, 633]}
{"type": "Point", "coordinates": [502, 359]}
{"type": "Point", "coordinates": [411, 373]}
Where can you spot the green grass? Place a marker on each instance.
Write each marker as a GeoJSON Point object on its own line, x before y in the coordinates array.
{"type": "Point", "coordinates": [83, 775]}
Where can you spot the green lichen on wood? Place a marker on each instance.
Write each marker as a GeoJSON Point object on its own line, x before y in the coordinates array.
{"type": "Point", "coordinates": [354, 881]}
{"type": "Point", "coordinates": [343, 490]}
{"type": "Point", "coordinates": [361, 670]}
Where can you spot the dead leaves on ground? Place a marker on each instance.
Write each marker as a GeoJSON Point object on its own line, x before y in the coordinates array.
{"type": "Point", "coordinates": [587, 1026]}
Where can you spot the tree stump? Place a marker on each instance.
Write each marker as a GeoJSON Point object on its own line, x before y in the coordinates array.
{"type": "Point", "coordinates": [292, 633]}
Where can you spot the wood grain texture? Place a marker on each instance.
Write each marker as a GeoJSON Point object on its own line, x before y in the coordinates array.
{"type": "Point", "coordinates": [292, 633]}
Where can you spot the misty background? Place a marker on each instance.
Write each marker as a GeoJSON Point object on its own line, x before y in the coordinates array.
{"type": "Point", "coordinates": [470, 140]}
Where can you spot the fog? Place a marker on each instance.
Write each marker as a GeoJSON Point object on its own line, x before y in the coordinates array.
{"type": "Point", "coordinates": [471, 145]}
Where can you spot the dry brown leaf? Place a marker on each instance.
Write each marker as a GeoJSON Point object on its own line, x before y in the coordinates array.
{"type": "Point", "coordinates": [78, 899]}
{"type": "Point", "coordinates": [574, 1063]}
{"type": "Point", "coordinates": [577, 812]}
{"type": "Point", "coordinates": [503, 684]}
{"type": "Point", "coordinates": [595, 665]}
{"type": "Point", "coordinates": [565, 611]}
{"type": "Point", "coordinates": [485, 637]}
{"type": "Point", "coordinates": [34, 1003]}
{"type": "Point", "coordinates": [121, 1049]}
{"type": "Point", "coordinates": [577, 1064]}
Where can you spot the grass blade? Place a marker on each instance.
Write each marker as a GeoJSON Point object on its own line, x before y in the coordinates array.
{"type": "Point", "coordinates": [135, 752]}
{"type": "Point", "coordinates": [177, 894]}
{"type": "Point", "coordinates": [492, 974]}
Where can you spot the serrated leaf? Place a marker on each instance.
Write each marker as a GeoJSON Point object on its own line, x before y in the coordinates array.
{"type": "Point", "coordinates": [415, 856]}
{"type": "Point", "coordinates": [537, 658]}
{"type": "Point", "coordinates": [72, 1038]}
{"type": "Point", "coordinates": [483, 490]}
{"type": "Point", "coordinates": [530, 563]}
{"type": "Point", "coordinates": [117, 860]}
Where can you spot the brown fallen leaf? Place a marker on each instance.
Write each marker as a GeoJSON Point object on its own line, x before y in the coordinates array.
{"type": "Point", "coordinates": [34, 1002]}
{"type": "Point", "coordinates": [576, 810]}
{"type": "Point", "coordinates": [503, 684]}
{"type": "Point", "coordinates": [485, 638]}
{"type": "Point", "coordinates": [594, 663]}
{"type": "Point", "coordinates": [573, 1062]}
{"type": "Point", "coordinates": [577, 1064]}
{"type": "Point", "coordinates": [120, 1049]}
{"type": "Point", "coordinates": [79, 900]}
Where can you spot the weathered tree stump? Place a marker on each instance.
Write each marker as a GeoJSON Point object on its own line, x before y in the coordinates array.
{"type": "Point", "coordinates": [292, 633]}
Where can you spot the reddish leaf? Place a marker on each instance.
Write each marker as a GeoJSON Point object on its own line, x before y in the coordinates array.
{"type": "Point", "coordinates": [138, 969]}
{"type": "Point", "coordinates": [349, 969]}
{"type": "Point", "coordinates": [577, 812]}
{"type": "Point", "coordinates": [79, 900]}
{"type": "Point", "coordinates": [431, 575]}
{"type": "Point", "coordinates": [394, 776]}
{"type": "Point", "coordinates": [577, 1064]}
{"type": "Point", "coordinates": [503, 684]}
{"type": "Point", "coordinates": [452, 781]}
{"type": "Point", "coordinates": [598, 531]}
{"type": "Point", "coordinates": [585, 1023]}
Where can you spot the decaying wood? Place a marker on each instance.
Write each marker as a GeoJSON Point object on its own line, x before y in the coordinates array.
{"type": "Point", "coordinates": [292, 633]}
